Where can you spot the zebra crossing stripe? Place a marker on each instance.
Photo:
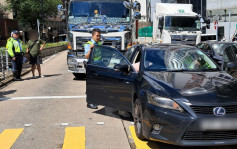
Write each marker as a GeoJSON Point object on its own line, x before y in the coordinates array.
{"type": "Point", "coordinates": [8, 137]}
{"type": "Point", "coordinates": [75, 138]}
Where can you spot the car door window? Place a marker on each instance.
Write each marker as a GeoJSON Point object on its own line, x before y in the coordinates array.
{"type": "Point", "coordinates": [107, 57]}
{"type": "Point", "coordinates": [129, 53]}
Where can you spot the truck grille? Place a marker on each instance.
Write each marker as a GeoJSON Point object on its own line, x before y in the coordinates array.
{"type": "Point", "coordinates": [184, 39]}
{"type": "Point", "coordinates": [209, 109]}
{"type": "Point", "coordinates": [114, 42]}
{"type": "Point", "coordinates": [80, 42]}
{"type": "Point", "coordinates": [219, 135]}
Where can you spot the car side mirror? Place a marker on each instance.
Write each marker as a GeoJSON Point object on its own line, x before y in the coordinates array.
{"type": "Point", "coordinates": [122, 68]}
{"type": "Point", "coordinates": [137, 16]}
{"type": "Point", "coordinates": [232, 65]}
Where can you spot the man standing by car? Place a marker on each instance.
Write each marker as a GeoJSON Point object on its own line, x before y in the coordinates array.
{"type": "Point", "coordinates": [95, 40]}
{"type": "Point", "coordinates": [14, 49]}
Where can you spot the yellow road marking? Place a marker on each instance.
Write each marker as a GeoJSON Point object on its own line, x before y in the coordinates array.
{"type": "Point", "coordinates": [75, 138]}
{"type": "Point", "coordinates": [141, 144]}
{"type": "Point", "coordinates": [8, 137]}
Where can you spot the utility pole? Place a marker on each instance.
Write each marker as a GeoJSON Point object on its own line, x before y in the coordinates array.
{"type": "Point", "coordinates": [42, 15]}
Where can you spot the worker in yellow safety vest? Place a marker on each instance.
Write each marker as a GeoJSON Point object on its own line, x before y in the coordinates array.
{"type": "Point", "coordinates": [14, 49]}
{"type": "Point", "coordinates": [95, 40]}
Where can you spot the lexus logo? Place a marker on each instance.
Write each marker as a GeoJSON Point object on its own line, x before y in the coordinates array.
{"type": "Point", "coordinates": [219, 111]}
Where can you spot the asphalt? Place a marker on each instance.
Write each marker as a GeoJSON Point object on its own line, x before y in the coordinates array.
{"type": "Point", "coordinates": [47, 115]}
{"type": "Point", "coordinates": [42, 111]}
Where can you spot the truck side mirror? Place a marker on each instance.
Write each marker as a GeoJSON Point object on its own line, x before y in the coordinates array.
{"type": "Point", "coordinates": [127, 4]}
{"type": "Point", "coordinates": [160, 26]}
{"type": "Point", "coordinates": [137, 16]}
{"type": "Point", "coordinates": [208, 21]}
{"type": "Point", "coordinates": [61, 12]}
{"type": "Point", "coordinates": [161, 23]}
{"type": "Point", "coordinates": [136, 6]}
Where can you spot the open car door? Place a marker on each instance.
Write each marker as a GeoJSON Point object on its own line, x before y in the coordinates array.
{"type": "Point", "coordinates": [109, 79]}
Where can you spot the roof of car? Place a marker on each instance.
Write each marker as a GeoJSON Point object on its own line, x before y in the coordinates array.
{"type": "Point", "coordinates": [167, 46]}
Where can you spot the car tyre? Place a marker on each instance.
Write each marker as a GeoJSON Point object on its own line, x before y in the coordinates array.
{"type": "Point", "coordinates": [79, 76]}
{"type": "Point", "coordinates": [137, 117]}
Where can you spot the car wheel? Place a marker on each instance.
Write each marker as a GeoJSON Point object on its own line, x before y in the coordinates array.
{"type": "Point", "coordinates": [137, 117]}
{"type": "Point", "coordinates": [79, 76]}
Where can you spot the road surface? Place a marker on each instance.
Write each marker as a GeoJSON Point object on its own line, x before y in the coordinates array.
{"type": "Point", "coordinates": [51, 113]}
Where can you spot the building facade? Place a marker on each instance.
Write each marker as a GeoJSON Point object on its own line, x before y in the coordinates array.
{"type": "Point", "coordinates": [218, 12]}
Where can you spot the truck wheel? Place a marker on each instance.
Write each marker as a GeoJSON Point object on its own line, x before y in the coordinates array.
{"type": "Point", "coordinates": [79, 75]}
{"type": "Point", "coordinates": [138, 116]}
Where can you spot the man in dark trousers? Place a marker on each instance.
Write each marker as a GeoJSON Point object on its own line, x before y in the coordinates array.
{"type": "Point", "coordinates": [95, 40]}
{"type": "Point", "coordinates": [14, 49]}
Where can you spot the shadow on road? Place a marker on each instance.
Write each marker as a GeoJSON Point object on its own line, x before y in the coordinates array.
{"type": "Point", "coordinates": [46, 76]}
{"type": "Point", "coordinates": [3, 94]}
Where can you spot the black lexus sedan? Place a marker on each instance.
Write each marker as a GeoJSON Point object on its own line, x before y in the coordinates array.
{"type": "Point", "coordinates": [177, 95]}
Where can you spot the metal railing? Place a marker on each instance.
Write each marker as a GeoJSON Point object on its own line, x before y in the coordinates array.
{"type": "Point", "coordinates": [4, 63]}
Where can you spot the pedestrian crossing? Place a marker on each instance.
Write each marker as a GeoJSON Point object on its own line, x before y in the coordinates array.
{"type": "Point", "coordinates": [75, 138]}
{"type": "Point", "coordinates": [8, 137]}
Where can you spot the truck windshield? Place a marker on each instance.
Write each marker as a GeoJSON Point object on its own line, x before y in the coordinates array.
{"type": "Point", "coordinates": [108, 12]}
{"type": "Point", "coordinates": [182, 23]}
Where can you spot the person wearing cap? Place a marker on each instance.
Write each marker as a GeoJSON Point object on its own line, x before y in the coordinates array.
{"type": "Point", "coordinates": [14, 49]}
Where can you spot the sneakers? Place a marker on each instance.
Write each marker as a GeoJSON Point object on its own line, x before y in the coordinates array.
{"type": "Point", "coordinates": [41, 76]}
{"type": "Point", "coordinates": [34, 77]}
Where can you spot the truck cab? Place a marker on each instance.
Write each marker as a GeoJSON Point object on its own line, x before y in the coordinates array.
{"type": "Point", "coordinates": [176, 24]}
{"type": "Point", "coordinates": [110, 16]}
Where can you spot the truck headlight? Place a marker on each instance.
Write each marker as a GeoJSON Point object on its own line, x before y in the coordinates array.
{"type": "Point", "coordinates": [163, 102]}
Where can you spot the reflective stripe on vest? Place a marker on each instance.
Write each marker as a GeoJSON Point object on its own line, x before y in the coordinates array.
{"type": "Point", "coordinates": [97, 54]}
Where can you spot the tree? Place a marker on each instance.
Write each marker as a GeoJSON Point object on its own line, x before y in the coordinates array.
{"type": "Point", "coordinates": [28, 11]}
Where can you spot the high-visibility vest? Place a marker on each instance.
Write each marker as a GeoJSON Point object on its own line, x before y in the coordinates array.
{"type": "Point", "coordinates": [97, 54]}
{"type": "Point", "coordinates": [13, 46]}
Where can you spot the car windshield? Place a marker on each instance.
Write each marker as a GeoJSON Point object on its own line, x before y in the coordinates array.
{"type": "Point", "coordinates": [182, 23]}
{"type": "Point", "coordinates": [107, 12]}
{"type": "Point", "coordinates": [177, 60]}
{"type": "Point", "coordinates": [219, 48]}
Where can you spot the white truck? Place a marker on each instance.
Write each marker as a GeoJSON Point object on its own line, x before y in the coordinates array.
{"type": "Point", "coordinates": [174, 23]}
{"type": "Point", "coordinates": [115, 19]}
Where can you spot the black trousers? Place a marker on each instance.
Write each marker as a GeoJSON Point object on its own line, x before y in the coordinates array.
{"type": "Point", "coordinates": [17, 66]}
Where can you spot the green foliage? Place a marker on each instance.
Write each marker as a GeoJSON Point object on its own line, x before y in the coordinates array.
{"type": "Point", "coordinates": [48, 45]}
{"type": "Point", "coordinates": [28, 11]}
